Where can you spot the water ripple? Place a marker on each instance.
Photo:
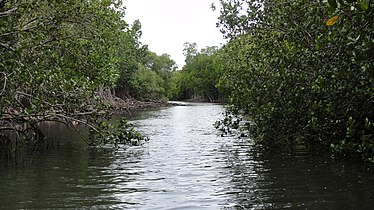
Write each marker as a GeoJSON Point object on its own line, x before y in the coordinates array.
{"type": "Point", "coordinates": [185, 165]}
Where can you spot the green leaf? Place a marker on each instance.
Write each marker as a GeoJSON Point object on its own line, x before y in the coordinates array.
{"type": "Point", "coordinates": [365, 4]}
{"type": "Point", "coordinates": [333, 3]}
{"type": "Point", "coordinates": [342, 2]}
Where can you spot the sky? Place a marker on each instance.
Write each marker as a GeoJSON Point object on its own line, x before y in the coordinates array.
{"type": "Point", "coordinates": [168, 24]}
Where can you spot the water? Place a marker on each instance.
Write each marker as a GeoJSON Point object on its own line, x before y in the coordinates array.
{"type": "Point", "coordinates": [185, 165]}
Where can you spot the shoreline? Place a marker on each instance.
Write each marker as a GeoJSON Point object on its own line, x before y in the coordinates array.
{"type": "Point", "coordinates": [130, 105]}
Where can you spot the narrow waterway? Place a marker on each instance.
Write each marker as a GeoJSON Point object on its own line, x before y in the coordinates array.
{"type": "Point", "coordinates": [185, 165]}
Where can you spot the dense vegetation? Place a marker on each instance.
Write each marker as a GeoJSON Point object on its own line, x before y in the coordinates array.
{"type": "Point", "coordinates": [60, 59]}
{"type": "Point", "coordinates": [302, 72]}
{"type": "Point", "coordinates": [153, 78]}
{"type": "Point", "coordinates": [200, 75]}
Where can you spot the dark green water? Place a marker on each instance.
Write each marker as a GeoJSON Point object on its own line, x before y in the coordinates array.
{"type": "Point", "coordinates": [185, 165]}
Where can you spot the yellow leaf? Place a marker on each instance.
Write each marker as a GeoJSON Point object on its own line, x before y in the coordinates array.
{"type": "Point", "coordinates": [332, 20]}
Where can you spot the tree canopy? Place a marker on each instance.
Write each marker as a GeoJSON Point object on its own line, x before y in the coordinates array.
{"type": "Point", "coordinates": [199, 77]}
{"type": "Point", "coordinates": [57, 57]}
{"type": "Point", "coordinates": [301, 72]}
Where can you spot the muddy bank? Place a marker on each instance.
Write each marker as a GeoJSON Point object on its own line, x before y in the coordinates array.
{"type": "Point", "coordinates": [129, 105]}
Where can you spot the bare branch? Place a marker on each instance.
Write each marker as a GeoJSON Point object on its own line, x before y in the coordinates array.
{"type": "Point", "coordinates": [31, 96]}
{"type": "Point", "coordinates": [77, 120]}
{"type": "Point", "coordinates": [8, 12]}
{"type": "Point", "coordinates": [18, 31]}
{"type": "Point", "coordinates": [4, 86]}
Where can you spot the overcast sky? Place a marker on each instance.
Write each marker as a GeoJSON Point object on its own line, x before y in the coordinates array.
{"type": "Point", "coordinates": [168, 24]}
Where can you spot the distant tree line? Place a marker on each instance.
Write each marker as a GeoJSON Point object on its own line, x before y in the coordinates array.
{"type": "Point", "coordinates": [200, 75]}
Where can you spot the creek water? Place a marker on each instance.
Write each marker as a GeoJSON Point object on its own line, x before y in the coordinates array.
{"type": "Point", "coordinates": [185, 165]}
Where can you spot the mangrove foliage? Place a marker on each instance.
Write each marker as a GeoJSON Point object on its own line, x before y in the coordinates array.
{"type": "Point", "coordinates": [199, 77]}
{"type": "Point", "coordinates": [60, 60]}
{"type": "Point", "coordinates": [302, 72]}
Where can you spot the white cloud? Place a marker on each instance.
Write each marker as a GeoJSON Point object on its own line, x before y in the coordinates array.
{"type": "Point", "coordinates": [168, 24]}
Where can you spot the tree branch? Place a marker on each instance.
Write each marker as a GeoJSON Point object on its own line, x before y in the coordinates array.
{"type": "Point", "coordinates": [18, 31]}
{"type": "Point", "coordinates": [8, 12]}
{"type": "Point", "coordinates": [4, 85]}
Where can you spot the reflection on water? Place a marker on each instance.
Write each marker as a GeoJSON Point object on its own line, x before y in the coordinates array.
{"type": "Point", "coordinates": [185, 165]}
